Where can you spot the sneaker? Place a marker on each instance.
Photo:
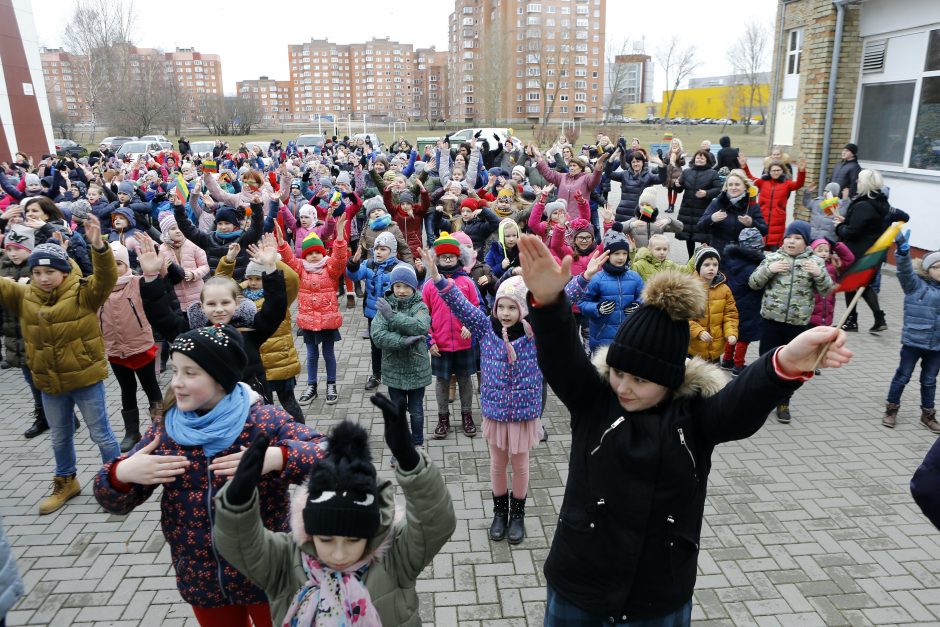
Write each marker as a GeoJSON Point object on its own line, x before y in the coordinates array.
{"type": "Point", "coordinates": [5, 364]}
{"type": "Point", "coordinates": [850, 326]}
{"type": "Point", "coordinates": [63, 489]}
{"type": "Point", "coordinates": [331, 395]}
{"type": "Point", "coordinates": [783, 413]}
{"type": "Point", "coordinates": [373, 382]}
{"type": "Point", "coordinates": [727, 364]}
{"type": "Point", "coordinates": [735, 371]}
{"type": "Point", "coordinates": [310, 393]}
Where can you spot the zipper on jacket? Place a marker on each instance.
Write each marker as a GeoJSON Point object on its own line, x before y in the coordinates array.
{"type": "Point", "coordinates": [136, 315]}
{"type": "Point", "coordinates": [686, 447]}
{"type": "Point", "coordinates": [215, 554]}
{"type": "Point", "coordinates": [616, 423]}
{"type": "Point", "coordinates": [786, 316]}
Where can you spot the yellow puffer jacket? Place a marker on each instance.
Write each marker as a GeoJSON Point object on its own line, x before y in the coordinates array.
{"type": "Point", "coordinates": [278, 353]}
{"type": "Point", "coordinates": [64, 346]}
{"type": "Point", "coordinates": [720, 320]}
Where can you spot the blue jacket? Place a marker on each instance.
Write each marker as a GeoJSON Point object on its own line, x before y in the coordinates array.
{"type": "Point", "coordinates": [11, 586]}
{"type": "Point", "coordinates": [738, 263]}
{"type": "Point", "coordinates": [624, 289]}
{"type": "Point", "coordinates": [377, 277]}
{"type": "Point", "coordinates": [925, 485]}
{"type": "Point", "coordinates": [921, 306]}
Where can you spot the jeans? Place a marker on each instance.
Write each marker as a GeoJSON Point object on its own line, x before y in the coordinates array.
{"type": "Point", "coordinates": [59, 410]}
{"type": "Point", "coordinates": [415, 402]}
{"type": "Point", "coordinates": [929, 365]}
{"type": "Point", "coordinates": [559, 612]}
{"type": "Point", "coordinates": [313, 360]}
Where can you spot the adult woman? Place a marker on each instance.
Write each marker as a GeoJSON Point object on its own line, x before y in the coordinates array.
{"type": "Point", "coordinates": [775, 188]}
{"type": "Point", "coordinates": [733, 210]}
{"type": "Point", "coordinates": [862, 224]}
{"type": "Point", "coordinates": [42, 214]}
{"type": "Point", "coordinates": [700, 184]}
{"type": "Point", "coordinates": [633, 181]}
{"type": "Point", "coordinates": [675, 161]}
{"type": "Point", "coordinates": [576, 180]}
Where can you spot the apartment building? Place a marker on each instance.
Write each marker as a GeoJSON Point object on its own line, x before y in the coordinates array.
{"type": "Point", "coordinates": [527, 61]}
{"type": "Point", "coordinates": [319, 78]}
{"type": "Point", "coordinates": [273, 98]}
{"type": "Point", "coordinates": [430, 85]}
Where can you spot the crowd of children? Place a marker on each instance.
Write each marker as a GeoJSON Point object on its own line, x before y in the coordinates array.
{"type": "Point", "coordinates": [443, 259]}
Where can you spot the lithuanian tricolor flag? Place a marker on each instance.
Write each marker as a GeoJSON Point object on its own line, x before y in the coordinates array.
{"type": "Point", "coordinates": [209, 165]}
{"type": "Point", "coordinates": [182, 189]}
{"type": "Point", "coordinates": [860, 273]}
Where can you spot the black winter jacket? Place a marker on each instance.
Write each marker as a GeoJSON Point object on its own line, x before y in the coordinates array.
{"type": "Point", "coordinates": [215, 246]}
{"type": "Point", "coordinates": [632, 185]}
{"type": "Point", "coordinates": [864, 222]}
{"type": "Point", "coordinates": [846, 175]}
{"type": "Point", "coordinates": [627, 540]}
{"type": "Point", "coordinates": [738, 264]}
{"type": "Point", "coordinates": [693, 208]}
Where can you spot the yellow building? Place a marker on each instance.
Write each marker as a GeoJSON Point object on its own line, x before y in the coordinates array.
{"type": "Point", "coordinates": [732, 101]}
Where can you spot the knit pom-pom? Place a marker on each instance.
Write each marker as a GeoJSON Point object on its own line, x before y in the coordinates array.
{"type": "Point", "coordinates": [680, 295]}
{"type": "Point", "coordinates": [350, 441]}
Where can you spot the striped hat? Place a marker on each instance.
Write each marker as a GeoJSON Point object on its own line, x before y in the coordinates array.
{"type": "Point", "coordinates": [167, 222]}
{"type": "Point", "coordinates": [312, 244]}
{"type": "Point", "coordinates": [446, 244]}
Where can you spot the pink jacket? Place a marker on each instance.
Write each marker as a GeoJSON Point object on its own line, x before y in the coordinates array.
{"type": "Point", "coordinates": [826, 305]}
{"type": "Point", "coordinates": [569, 184]}
{"type": "Point", "coordinates": [124, 325]}
{"type": "Point", "coordinates": [317, 308]}
{"type": "Point", "coordinates": [539, 226]}
{"type": "Point", "coordinates": [445, 326]}
{"type": "Point", "coordinates": [189, 257]}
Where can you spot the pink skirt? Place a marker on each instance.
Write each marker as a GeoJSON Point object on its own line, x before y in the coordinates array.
{"type": "Point", "coordinates": [515, 437]}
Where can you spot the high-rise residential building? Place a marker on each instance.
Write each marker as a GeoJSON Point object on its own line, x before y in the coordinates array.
{"type": "Point", "coordinates": [430, 85]}
{"type": "Point", "coordinates": [273, 98]}
{"type": "Point", "coordinates": [381, 78]}
{"type": "Point", "coordinates": [319, 77]}
{"type": "Point", "coordinates": [632, 76]}
{"type": "Point", "coordinates": [527, 61]}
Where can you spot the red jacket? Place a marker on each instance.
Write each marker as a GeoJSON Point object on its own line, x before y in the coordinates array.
{"type": "Point", "coordinates": [317, 309]}
{"type": "Point", "coordinates": [412, 226]}
{"type": "Point", "coordinates": [773, 198]}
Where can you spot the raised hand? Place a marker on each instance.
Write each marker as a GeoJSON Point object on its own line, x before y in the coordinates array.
{"type": "Point", "coordinates": [903, 240]}
{"type": "Point", "coordinates": [147, 256]}
{"type": "Point", "coordinates": [232, 253]}
{"type": "Point", "coordinates": [429, 259]}
{"type": "Point", "coordinates": [544, 277]}
{"type": "Point", "coordinates": [397, 432]}
{"type": "Point", "coordinates": [145, 468]}
{"type": "Point", "coordinates": [801, 353]}
{"type": "Point", "coordinates": [93, 231]}
{"type": "Point", "coordinates": [384, 308]}
{"type": "Point", "coordinates": [595, 263]}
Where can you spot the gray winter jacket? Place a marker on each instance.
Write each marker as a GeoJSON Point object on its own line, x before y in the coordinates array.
{"type": "Point", "coordinates": [11, 586]}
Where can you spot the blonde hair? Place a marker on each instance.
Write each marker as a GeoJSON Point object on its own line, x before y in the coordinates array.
{"type": "Point", "coordinates": [224, 281]}
{"type": "Point", "coordinates": [869, 182]}
{"type": "Point", "coordinates": [658, 238]}
{"type": "Point", "coordinates": [739, 174]}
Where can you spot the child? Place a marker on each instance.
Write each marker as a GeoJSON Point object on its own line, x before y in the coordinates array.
{"type": "Point", "coordinates": [347, 559]}
{"type": "Point", "coordinates": [481, 274]}
{"type": "Point", "coordinates": [400, 331]}
{"type": "Point", "coordinates": [791, 277]}
{"type": "Point", "coordinates": [581, 250]}
{"type": "Point", "coordinates": [510, 393]}
{"type": "Point", "coordinates": [451, 344]}
{"type": "Point", "coordinates": [709, 333]}
{"type": "Point", "coordinates": [317, 310]}
{"type": "Point", "coordinates": [210, 418]}
{"type": "Point", "coordinates": [503, 255]}
{"type": "Point", "coordinates": [377, 273]}
{"type": "Point", "coordinates": [647, 221]}
{"type": "Point", "coordinates": [654, 258]}
{"type": "Point", "coordinates": [644, 424]}
{"type": "Point", "coordinates": [608, 294]}
{"type": "Point", "coordinates": [129, 346]}
{"type": "Point", "coordinates": [192, 259]}
{"type": "Point", "coordinates": [478, 222]}
{"type": "Point", "coordinates": [58, 315]}
{"type": "Point", "coordinates": [920, 337]}
{"type": "Point", "coordinates": [837, 257]}
{"type": "Point", "coordinates": [740, 261]}
{"type": "Point", "coordinates": [378, 221]}
{"type": "Point", "coordinates": [820, 218]}
{"type": "Point", "coordinates": [228, 230]}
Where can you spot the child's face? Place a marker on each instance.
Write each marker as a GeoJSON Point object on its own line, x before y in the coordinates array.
{"type": "Point", "coordinates": [406, 207]}
{"type": "Point", "coordinates": [583, 240]}
{"type": "Point", "coordinates": [660, 251]}
{"type": "Point", "coordinates": [224, 227]}
{"type": "Point", "coordinates": [253, 282]}
{"type": "Point", "coordinates": [559, 216]}
{"type": "Point", "coordinates": [934, 272]}
{"type": "Point", "coordinates": [314, 256]}
{"type": "Point", "coordinates": [402, 290]}
{"type": "Point", "coordinates": [339, 552]}
{"type": "Point", "coordinates": [175, 235]}
{"type": "Point", "coordinates": [119, 222]}
{"type": "Point", "coordinates": [194, 388]}
{"type": "Point", "coordinates": [306, 221]}
{"type": "Point", "coordinates": [793, 244]}
{"type": "Point", "coordinates": [93, 194]}
{"type": "Point", "coordinates": [466, 213]}
{"type": "Point", "coordinates": [47, 278]}
{"type": "Point", "coordinates": [457, 175]}
{"type": "Point", "coordinates": [822, 251]}
{"type": "Point", "coordinates": [17, 255]}
{"type": "Point", "coordinates": [375, 214]}
{"type": "Point", "coordinates": [517, 177]}
{"type": "Point", "coordinates": [511, 236]}
{"type": "Point", "coordinates": [507, 312]}
{"type": "Point", "coordinates": [503, 203]}
{"type": "Point", "coordinates": [123, 198]}
{"type": "Point", "coordinates": [219, 303]}
{"type": "Point", "coordinates": [636, 394]}
{"type": "Point", "coordinates": [381, 253]}
{"type": "Point", "coordinates": [447, 260]}
{"type": "Point", "coordinates": [709, 269]}
{"type": "Point", "coordinates": [619, 258]}
{"type": "Point", "coordinates": [122, 268]}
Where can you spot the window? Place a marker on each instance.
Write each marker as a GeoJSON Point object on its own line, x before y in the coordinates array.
{"type": "Point", "coordinates": [579, 108]}
{"type": "Point", "coordinates": [533, 95]}
{"type": "Point", "coordinates": [925, 151]}
{"type": "Point", "coordinates": [532, 108]}
{"type": "Point", "coordinates": [932, 63]}
{"type": "Point", "coordinates": [794, 50]}
{"type": "Point", "coordinates": [884, 116]}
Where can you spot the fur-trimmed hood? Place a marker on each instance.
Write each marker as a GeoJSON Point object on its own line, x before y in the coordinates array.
{"type": "Point", "coordinates": [701, 377]}
{"type": "Point", "coordinates": [920, 270]}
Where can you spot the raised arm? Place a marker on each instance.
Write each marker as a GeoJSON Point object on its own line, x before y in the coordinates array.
{"type": "Point", "coordinates": [220, 195]}
{"type": "Point", "coordinates": [470, 315]}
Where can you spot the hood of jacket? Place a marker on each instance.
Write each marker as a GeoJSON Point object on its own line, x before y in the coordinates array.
{"type": "Point", "coordinates": [243, 318]}
{"type": "Point", "coordinates": [921, 271]}
{"type": "Point", "coordinates": [701, 377]}
{"type": "Point", "coordinates": [742, 252]}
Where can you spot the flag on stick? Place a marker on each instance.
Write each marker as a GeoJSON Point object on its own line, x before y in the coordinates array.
{"type": "Point", "coordinates": [182, 189]}
{"type": "Point", "coordinates": [210, 166]}
{"type": "Point", "coordinates": [860, 273]}
{"type": "Point", "coordinates": [830, 206]}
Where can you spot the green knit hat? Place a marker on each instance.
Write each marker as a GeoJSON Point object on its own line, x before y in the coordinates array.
{"type": "Point", "coordinates": [312, 244]}
{"type": "Point", "coordinates": [445, 244]}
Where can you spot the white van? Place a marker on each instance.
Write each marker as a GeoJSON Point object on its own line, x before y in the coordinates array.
{"type": "Point", "coordinates": [489, 134]}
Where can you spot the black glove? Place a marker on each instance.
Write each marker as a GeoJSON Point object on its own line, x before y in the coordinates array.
{"type": "Point", "coordinates": [606, 307]}
{"type": "Point", "coordinates": [160, 197]}
{"type": "Point", "coordinates": [248, 473]}
{"type": "Point", "coordinates": [397, 432]}
{"type": "Point", "coordinates": [364, 161]}
{"type": "Point", "coordinates": [498, 140]}
{"type": "Point", "coordinates": [382, 306]}
{"type": "Point", "coordinates": [617, 226]}
{"type": "Point", "coordinates": [411, 340]}
{"type": "Point", "coordinates": [478, 134]}
{"type": "Point", "coordinates": [340, 209]}
{"type": "Point", "coordinates": [306, 176]}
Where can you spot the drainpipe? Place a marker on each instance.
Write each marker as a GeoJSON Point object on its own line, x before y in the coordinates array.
{"type": "Point", "coordinates": [831, 96]}
{"type": "Point", "coordinates": [781, 64]}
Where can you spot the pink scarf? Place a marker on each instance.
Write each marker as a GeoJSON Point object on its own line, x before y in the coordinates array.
{"type": "Point", "coordinates": [331, 597]}
{"type": "Point", "coordinates": [317, 266]}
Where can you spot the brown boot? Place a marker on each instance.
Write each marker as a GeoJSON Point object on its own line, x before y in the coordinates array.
{"type": "Point", "coordinates": [891, 415]}
{"type": "Point", "coordinates": [928, 418]}
{"type": "Point", "coordinates": [469, 429]}
{"type": "Point", "coordinates": [156, 411]}
{"type": "Point", "coordinates": [63, 489]}
{"type": "Point", "coordinates": [443, 426]}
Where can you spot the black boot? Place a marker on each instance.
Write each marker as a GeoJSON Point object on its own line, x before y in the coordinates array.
{"type": "Point", "coordinates": [851, 324]}
{"type": "Point", "coordinates": [131, 429]}
{"type": "Point", "coordinates": [40, 425]}
{"type": "Point", "coordinates": [516, 520]}
{"type": "Point", "coordinates": [880, 323]}
{"type": "Point", "coordinates": [500, 517]}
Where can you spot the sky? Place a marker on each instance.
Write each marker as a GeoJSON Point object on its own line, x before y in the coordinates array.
{"type": "Point", "coordinates": [253, 42]}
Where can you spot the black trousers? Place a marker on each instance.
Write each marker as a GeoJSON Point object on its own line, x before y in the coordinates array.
{"type": "Point", "coordinates": [147, 375]}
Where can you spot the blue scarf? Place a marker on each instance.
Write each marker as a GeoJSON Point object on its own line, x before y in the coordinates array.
{"type": "Point", "coordinates": [380, 223]}
{"type": "Point", "coordinates": [232, 235]}
{"type": "Point", "coordinates": [215, 430]}
{"type": "Point", "coordinates": [253, 295]}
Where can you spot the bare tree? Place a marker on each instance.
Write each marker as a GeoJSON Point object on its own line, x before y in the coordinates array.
{"type": "Point", "coordinates": [97, 37]}
{"type": "Point", "coordinates": [749, 56]}
{"type": "Point", "coordinates": [616, 75]}
{"type": "Point", "coordinates": [245, 113]}
{"type": "Point", "coordinates": [139, 102]}
{"type": "Point", "coordinates": [62, 123]}
{"type": "Point", "coordinates": [678, 63]}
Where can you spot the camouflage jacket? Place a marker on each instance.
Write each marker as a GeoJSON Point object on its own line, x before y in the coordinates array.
{"type": "Point", "coordinates": [789, 297]}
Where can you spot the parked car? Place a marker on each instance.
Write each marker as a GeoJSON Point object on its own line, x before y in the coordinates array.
{"type": "Point", "coordinates": [489, 134]}
{"type": "Point", "coordinates": [202, 149]}
{"type": "Point", "coordinates": [134, 149]}
{"type": "Point", "coordinates": [165, 144]}
{"type": "Point", "coordinates": [68, 148]}
{"type": "Point", "coordinates": [116, 142]}
{"type": "Point", "coordinates": [310, 141]}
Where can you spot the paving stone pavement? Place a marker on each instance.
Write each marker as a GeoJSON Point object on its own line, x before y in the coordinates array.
{"type": "Point", "coordinates": [810, 523]}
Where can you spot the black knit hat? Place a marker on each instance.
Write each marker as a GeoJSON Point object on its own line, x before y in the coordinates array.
{"type": "Point", "coordinates": [702, 253]}
{"type": "Point", "coordinates": [219, 350]}
{"type": "Point", "coordinates": [343, 495]}
{"type": "Point", "coordinates": [653, 342]}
